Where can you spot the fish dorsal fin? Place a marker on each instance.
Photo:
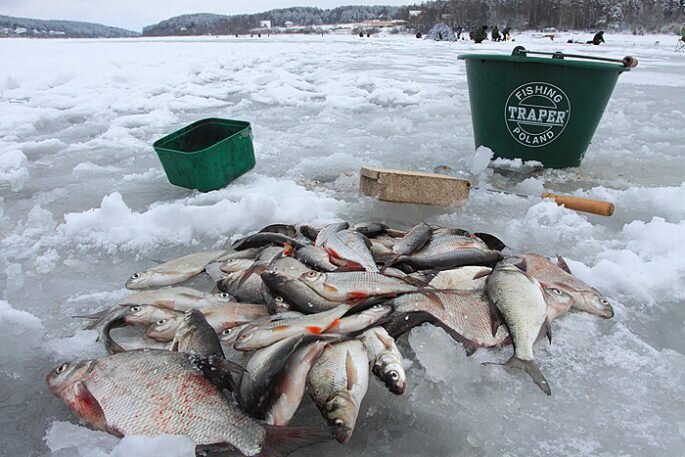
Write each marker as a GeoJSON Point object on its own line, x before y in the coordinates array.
{"type": "Point", "coordinates": [365, 239]}
{"type": "Point", "coordinates": [482, 273]}
{"type": "Point", "coordinates": [563, 265]}
{"type": "Point", "coordinates": [350, 370]}
{"type": "Point", "coordinates": [519, 263]}
{"type": "Point", "coordinates": [386, 340]}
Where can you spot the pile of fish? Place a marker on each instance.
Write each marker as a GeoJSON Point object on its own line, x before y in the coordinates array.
{"type": "Point", "coordinates": [303, 310]}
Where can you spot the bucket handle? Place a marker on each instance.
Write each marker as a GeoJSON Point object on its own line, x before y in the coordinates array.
{"type": "Point", "coordinates": [627, 61]}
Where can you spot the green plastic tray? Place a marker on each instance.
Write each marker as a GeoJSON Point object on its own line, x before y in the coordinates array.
{"type": "Point", "coordinates": [208, 154]}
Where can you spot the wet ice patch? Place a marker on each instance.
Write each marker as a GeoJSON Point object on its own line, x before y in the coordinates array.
{"type": "Point", "coordinates": [17, 326]}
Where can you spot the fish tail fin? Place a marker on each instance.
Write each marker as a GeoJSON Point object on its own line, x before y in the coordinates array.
{"type": "Point", "coordinates": [388, 261]}
{"type": "Point", "coordinates": [282, 441]}
{"type": "Point", "coordinates": [530, 367]}
{"type": "Point", "coordinates": [97, 318]}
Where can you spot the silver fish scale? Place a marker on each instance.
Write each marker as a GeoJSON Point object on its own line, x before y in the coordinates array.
{"type": "Point", "coordinates": [519, 297]}
{"type": "Point", "coordinates": [157, 392]}
{"type": "Point", "coordinates": [329, 374]}
{"type": "Point", "coordinates": [351, 246]}
{"type": "Point", "coordinates": [374, 283]}
{"type": "Point", "coordinates": [174, 271]}
{"type": "Point", "coordinates": [322, 319]}
{"type": "Point", "coordinates": [549, 273]}
{"type": "Point", "coordinates": [466, 313]}
{"type": "Point", "coordinates": [375, 347]}
{"type": "Point", "coordinates": [412, 240]}
{"type": "Point", "coordinates": [441, 244]}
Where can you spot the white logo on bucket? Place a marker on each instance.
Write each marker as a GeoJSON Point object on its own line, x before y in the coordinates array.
{"type": "Point", "coordinates": [536, 113]}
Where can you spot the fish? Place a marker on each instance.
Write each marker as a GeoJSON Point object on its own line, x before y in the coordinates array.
{"type": "Point", "coordinates": [414, 240]}
{"type": "Point", "coordinates": [362, 320]}
{"type": "Point", "coordinates": [462, 278]}
{"type": "Point", "coordinates": [275, 302]}
{"type": "Point", "coordinates": [328, 230]}
{"type": "Point", "coordinates": [219, 318]}
{"type": "Point", "coordinates": [145, 315]}
{"type": "Point", "coordinates": [558, 275]}
{"type": "Point", "coordinates": [152, 392]}
{"type": "Point", "coordinates": [172, 272]}
{"type": "Point", "coordinates": [229, 334]}
{"type": "Point", "coordinates": [337, 383]}
{"type": "Point", "coordinates": [164, 329]}
{"type": "Point", "coordinates": [233, 265]}
{"type": "Point", "coordinates": [244, 285]}
{"type": "Point", "coordinates": [464, 315]}
{"type": "Point", "coordinates": [451, 251]}
{"type": "Point", "coordinates": [111, 346]}
{"type": "Point", "coordinates": [385, 359]}
{"type": "Point", "coordinates": [261, 371]}
{"type": "Point", "coordinates": [370, 229]}
{"type": "Point", "coordinates": [195, 335]}
{"type": "Point", "coordinates": [355, 285]}
{"type": "Point", "coordinates": [315, 257]}
{"type": "Point", "coordinates": [519, 298]}
{"type": "Point", "coordinates": [300, 296]}
{"type": "Point", "coordinates": [264, 333]}
{"type": "Point", "coordinates": [262, 239]}
{"type": "Point", "coordinates": [350, 249]}
{"type": "Point", "coordinates": [289, 389]}
{"type": "Point", "coordinates": [172, 298]}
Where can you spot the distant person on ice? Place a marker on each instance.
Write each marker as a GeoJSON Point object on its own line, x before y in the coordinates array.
{"type": "Point", "coordinates": [479, 35]}
{"type": "Point", "coordinates": [598, 38]}
{"type": "Point", "coordinates": [495, 34]}
{"type": "Point", "coordinates": [505, 33]}
{"type": "Point", "coordinates": [682, 34]}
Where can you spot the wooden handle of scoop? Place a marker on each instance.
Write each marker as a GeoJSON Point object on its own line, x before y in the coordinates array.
{"type": "Point", "coordinates": [599, 207]}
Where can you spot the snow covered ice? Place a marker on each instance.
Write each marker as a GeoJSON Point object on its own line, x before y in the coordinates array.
{"type": "Point", "coordinates": [84, 203]}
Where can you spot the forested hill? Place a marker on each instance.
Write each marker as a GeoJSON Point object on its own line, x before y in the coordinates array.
{"type": "Point", "coordinates": [203, 24]}
{"type": "Point", "coordinates": [23, 27]}
{"type": "Point", "coordinates": [635, 16]}
{"type": "Point", "coordinates": [625, 15]}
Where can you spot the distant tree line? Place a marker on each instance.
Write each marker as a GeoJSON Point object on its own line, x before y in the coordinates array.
{"type": "Point", "coordinates": [24, 27]}
{"type": "Point", "coordinates": [213, 24]}
{"type": "Point", "coordinates": [637, 16]}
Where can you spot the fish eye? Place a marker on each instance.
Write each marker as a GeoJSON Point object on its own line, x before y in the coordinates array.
{"type": "Point", "coordinates": [604, 301]}
{"type": "Point", "coordinates": [312, 274]}
{"type": "Point", "coordinates": [224, 295]}
{"type": "Point", "coordinates": [161, 322]}
{"type": "Point", "coordinates": [378, 306]}
{"type": "Point", "coordinates": [61, 368]}
{"type": "Point", "coordinates": [339, 423]}
{"type": "Point", "coordinates": [556, 291]}
{"type": "Point", "coordinates": [228, 331]}
{"type": "Point", "coordinates": [394, 375]}
{"type": "Point", "coordinates": [278, 299]}
{"type": "Point", "coordinates": [136, 308]}
{"type": "Point", "coordinates": [135, 275]}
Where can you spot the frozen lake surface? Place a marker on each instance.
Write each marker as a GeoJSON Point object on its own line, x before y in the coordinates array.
{"type": "Point", "coordinates": [84, 203]}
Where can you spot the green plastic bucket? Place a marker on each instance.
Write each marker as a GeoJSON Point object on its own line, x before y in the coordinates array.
{"type": "Point", "coordinates": [207, 154]}
{"type": "Point", "coordinates": [539, 108]}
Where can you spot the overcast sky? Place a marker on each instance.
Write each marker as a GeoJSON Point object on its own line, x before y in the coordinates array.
{"type": "Point", "coordinates": [135, 14]}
